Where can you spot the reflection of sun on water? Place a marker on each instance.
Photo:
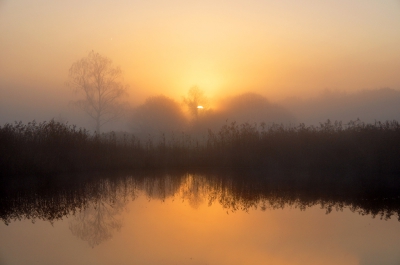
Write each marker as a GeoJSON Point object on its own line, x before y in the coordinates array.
{"type": "Point", "coordinates": [196, 223]}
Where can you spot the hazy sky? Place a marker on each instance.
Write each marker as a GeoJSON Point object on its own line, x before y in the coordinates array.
{"type": "Point", "coordinates": [277, 48]}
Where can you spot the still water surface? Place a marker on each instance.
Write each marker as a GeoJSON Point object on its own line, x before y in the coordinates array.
{"type": "Point", "coordinates": [190, 219]}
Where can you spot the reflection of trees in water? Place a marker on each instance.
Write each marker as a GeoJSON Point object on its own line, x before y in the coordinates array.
{"type": "Point", "coordinates": [101, 216]}
{"type": "Point", "coordinates": [160, 186]}
{"type": "Point", "coordinates": [97, 221]}
{"type": "Point", "coordinates": [248, 191]}
{"type": "Point", "coordinates": [194, 190]}
{"type": "Point", "coordinates": [97, 202]}
{"type": "Point", "coordinates": [94, 203]}
{"type": "Point", "coordinates": [260, 192]}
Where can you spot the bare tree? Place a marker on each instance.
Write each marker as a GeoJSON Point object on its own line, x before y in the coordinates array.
{"type": "Point", "coordinates": [195, 100]}
{"type": "Point", "coordinates": [101, 84]}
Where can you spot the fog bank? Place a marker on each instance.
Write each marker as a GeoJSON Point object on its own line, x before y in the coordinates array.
{"type": "Point", "coordinates": [367, 105]}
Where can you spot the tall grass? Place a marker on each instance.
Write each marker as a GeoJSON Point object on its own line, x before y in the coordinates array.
{"type": "Point", "coordinates": [331, 146]}
{"type": "Point", "coordinates": [52, 147]}
{"type": "Point", "coordinates": [352, 149]}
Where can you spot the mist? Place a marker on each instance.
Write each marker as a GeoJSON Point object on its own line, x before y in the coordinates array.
{"type": "Point", "coordinates": [368, 105]}
{"type": "Point", "coordinates": [276, 50]}
{"type": "Point", "coordinates": [275, 103]}
{"type": "Point", "coordinates": [161, 114]}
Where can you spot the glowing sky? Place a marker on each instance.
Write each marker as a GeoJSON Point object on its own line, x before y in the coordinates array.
{"type": "Point", "coordinates": [277, 48]}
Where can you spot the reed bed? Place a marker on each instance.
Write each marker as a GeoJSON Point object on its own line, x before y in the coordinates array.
{"type": "Point", "coordinates": [353, 149]}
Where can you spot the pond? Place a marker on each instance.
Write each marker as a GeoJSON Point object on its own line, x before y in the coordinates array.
{"type": "Point", "coordinates": [192, 218]}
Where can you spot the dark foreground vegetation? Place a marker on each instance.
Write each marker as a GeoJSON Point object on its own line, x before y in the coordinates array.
{"type": "Point", "coordinates": [348, 151]}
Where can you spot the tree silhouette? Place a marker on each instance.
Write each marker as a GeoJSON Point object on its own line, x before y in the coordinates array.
{"type": "Point", "coordinates": [159, 114]}
{"type": "Point", "coordinates": [194, 99]}
{"type": "Point", "coordinates": [101, 84]}
{"type": "Point", "coordinates": [254, 108]}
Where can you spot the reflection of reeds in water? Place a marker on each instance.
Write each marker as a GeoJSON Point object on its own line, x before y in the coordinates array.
{"type": "Point", "coordinates": [351, 150]}
{"type": "Point", "coordinates": [97, 202]}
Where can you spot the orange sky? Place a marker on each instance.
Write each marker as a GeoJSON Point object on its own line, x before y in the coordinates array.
{"type": "Point", "coordinates": [276, 48]}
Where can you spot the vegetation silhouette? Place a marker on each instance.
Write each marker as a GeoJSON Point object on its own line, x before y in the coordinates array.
{"type": "Point", "coordinates": [354, 150]}
{"type": "Point", "coordinates": [254, 108]}
{"type": "Point", "coordinates": [194, 99]}
{"type": "Point", "coordinates": [335, 165]}
{"type": "Point", "coordinates": [249, 108]}
{"type": "Point", "coordinates": [159, 116]}
{"type": "Point", "coordinates": [101, 85]}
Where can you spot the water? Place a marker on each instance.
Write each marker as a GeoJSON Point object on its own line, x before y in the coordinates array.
{"type": "Point", "coordinates": [191, 219]}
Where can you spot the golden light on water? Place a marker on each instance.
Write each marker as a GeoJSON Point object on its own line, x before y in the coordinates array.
{"type": "Point", "coordinates": [198, 219]}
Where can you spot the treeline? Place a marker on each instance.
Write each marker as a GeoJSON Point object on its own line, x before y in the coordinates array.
{"type": "Point", "coordinates": [162, 115]}
{"type": "Point", "coordinates": [354, 149]}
